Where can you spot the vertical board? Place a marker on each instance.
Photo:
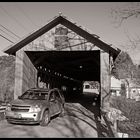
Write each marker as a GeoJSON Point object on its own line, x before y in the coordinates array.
{"type": "Point", "coordinates": [18, 74]}
{"type": "Point", "coordinates": [105, 80]}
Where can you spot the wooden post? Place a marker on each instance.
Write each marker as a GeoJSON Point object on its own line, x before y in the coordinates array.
{"type": "Point", "coordinates": [105, 80]}
{"type": "Point", "coordinates": [18, 74]}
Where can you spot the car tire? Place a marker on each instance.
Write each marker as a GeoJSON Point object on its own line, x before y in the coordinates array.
{"type": "Point", "coordinates": [9, 122]}
{"type": "Point", "coordinates": [45, 119]}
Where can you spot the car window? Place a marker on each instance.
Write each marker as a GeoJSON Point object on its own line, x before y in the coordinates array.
{"type": "Point", "coordinates": [52, 96]}
{"type": "Point", "coordinates": [57, 95]}
{"type": "Point", "coordinates": [31, 95]}
{"type": "Point", "coordinates": [87, 86]}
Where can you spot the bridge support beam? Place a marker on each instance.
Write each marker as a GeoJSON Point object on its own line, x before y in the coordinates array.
{"type": "Point", "coordinates": [105, 80]}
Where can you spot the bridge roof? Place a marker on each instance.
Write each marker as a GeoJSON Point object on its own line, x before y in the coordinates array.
{"type": "Point", "coordinates": [72, 26]}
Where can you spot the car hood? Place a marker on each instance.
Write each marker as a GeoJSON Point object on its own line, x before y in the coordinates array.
{"type": "Point", "coordinates": [28, 102]}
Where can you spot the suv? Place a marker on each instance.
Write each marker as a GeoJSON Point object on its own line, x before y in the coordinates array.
{"type": "Point", "coordinates": [35, 106]}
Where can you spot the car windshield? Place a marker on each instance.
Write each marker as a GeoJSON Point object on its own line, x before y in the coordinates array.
{"type": "Point", "coordinates": [33, 95]}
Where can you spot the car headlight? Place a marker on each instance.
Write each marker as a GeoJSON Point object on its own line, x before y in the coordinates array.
{"type": "Point", "coordinates": [8, 107]}
{"type": "Point", "coordinates": [35, 108]}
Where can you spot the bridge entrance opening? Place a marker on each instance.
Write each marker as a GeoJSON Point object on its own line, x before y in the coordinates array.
{"type": "Point", "coordinates": [67, 70]}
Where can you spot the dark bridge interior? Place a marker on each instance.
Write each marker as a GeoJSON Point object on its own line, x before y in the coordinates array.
{"type": "Point", "coordinates": [67, 68]}
{"type": "Point", "coordinates": [78, 65]}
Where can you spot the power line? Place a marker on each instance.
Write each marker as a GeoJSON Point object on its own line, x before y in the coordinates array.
{"type": "Point", "coordinates": [9, 31]}
{"type": "Point", "coordinates": [6, 38]}
{"type": "Point", "coordinates": [23, 12]}
{"type": "Point", "coordinates": [12, 17]}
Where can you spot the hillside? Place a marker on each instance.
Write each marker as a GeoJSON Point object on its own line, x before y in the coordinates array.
{"type": "Point", "coordinates": [7, 74]}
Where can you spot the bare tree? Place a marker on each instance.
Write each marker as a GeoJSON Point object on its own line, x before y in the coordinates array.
{"type": "Point", "coordinates": [120, 15]}
{"type": "Point", "coordinates": [124, 69]}
{"type": "Point", "coordinates": [128, 12]}
{"type": "Point", "coordinates": [128, 70]}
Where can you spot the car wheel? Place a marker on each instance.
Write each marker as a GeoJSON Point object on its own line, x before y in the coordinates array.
{"type": "Point", "coordinates": [62, 113]}
{"type": "Point", "coordinates": [9, 122]}
{"type": "Point", "coordinates": [45, 119]}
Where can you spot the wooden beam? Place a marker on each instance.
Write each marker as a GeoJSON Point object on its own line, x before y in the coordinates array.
{"type": "Point", "coordinates": [75, 45]}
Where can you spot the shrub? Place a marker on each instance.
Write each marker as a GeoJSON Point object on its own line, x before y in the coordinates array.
{"type": "Point", "coordinates": [129, 108]}
{"type": "Point", "coordinates": [7, 76]}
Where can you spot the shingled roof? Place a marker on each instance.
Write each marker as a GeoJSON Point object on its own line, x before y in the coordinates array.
{"type": "Point", "coordinates": [72, 26]}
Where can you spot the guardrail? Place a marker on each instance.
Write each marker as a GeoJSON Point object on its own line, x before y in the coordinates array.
{"type": "Point", "coordinates": [2, 111]}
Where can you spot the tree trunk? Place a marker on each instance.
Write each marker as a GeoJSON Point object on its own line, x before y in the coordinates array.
{"type": "Point", "coordinates": [127, 89]}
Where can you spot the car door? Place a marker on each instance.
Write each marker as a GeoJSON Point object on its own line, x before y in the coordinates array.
{"type": "Point", "coordinates": [58, 101]}
{"type": "Point", "coordinates": [52, 108]}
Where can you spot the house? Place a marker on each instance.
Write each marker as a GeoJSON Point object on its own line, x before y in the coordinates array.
{"type": "Point", "coordinates": [89, 88]}
{"type": "Point", "coordinates": [132, 92]}
{"type": "Point", "coordinates": [115, 86]}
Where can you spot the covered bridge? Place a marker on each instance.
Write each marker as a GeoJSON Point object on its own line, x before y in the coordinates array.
{"type": "Point", "coordinates": [72, 56]}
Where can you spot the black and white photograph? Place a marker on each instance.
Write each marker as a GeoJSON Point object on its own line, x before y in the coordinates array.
{"type": "Point", "coordinates": [69, 69]}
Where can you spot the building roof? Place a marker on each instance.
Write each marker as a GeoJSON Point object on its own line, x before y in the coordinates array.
{"type": "Point", "coordinates": [62, 20]}
{"type": "Point", "coordinates": [115, 83]}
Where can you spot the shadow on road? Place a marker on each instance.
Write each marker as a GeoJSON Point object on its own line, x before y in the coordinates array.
{"type": "Point", "coordinates": [92, 104]}
{"type": "Point", "coordinates": [81, 120]}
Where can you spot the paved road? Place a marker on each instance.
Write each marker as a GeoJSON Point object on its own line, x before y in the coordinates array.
{"type": "Point", "coordinates": [79, 122]}
{"type": "Point", "coordinates": [74, 124]}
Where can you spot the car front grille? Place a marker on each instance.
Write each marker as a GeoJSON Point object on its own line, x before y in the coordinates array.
{"type": "Point", "coordinates": [19, 119]}
{"type": "Point", "coordinates": [17, 108]}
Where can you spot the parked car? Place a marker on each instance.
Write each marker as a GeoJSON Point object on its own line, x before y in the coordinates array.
{"type": "Point", "coordinates": [36, 106]}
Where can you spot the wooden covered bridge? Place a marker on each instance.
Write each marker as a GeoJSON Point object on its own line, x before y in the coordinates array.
{"type": "Point", "coordinates": [72, 56]}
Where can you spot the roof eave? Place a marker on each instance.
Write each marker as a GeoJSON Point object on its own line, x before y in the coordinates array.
{"type": "Point", "coordinates": [33, 36]}
{"type": "Point", "coordinates": [61, 20]}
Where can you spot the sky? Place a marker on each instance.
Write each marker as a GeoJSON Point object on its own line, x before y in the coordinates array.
{"type": "Point", "coordinates": [22, 18]}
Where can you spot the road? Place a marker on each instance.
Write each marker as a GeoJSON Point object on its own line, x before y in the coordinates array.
{"type": "Point", "coordinates": [78, 122]}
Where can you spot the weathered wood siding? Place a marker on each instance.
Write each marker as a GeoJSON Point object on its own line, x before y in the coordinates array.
{"type": "Point", "coordinates": [105, 79]}
{"type": "Point", "coordinates": [25, 74]}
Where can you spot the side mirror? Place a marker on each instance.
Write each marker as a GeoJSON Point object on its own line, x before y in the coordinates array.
{"type": "Point", "coordinates": [51, 99]}
{"type": "Point", "coordinates": [19, 97]}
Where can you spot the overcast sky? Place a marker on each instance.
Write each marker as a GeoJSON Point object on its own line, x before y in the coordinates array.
{"type": "Point", "coordinates": [24, 17]}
